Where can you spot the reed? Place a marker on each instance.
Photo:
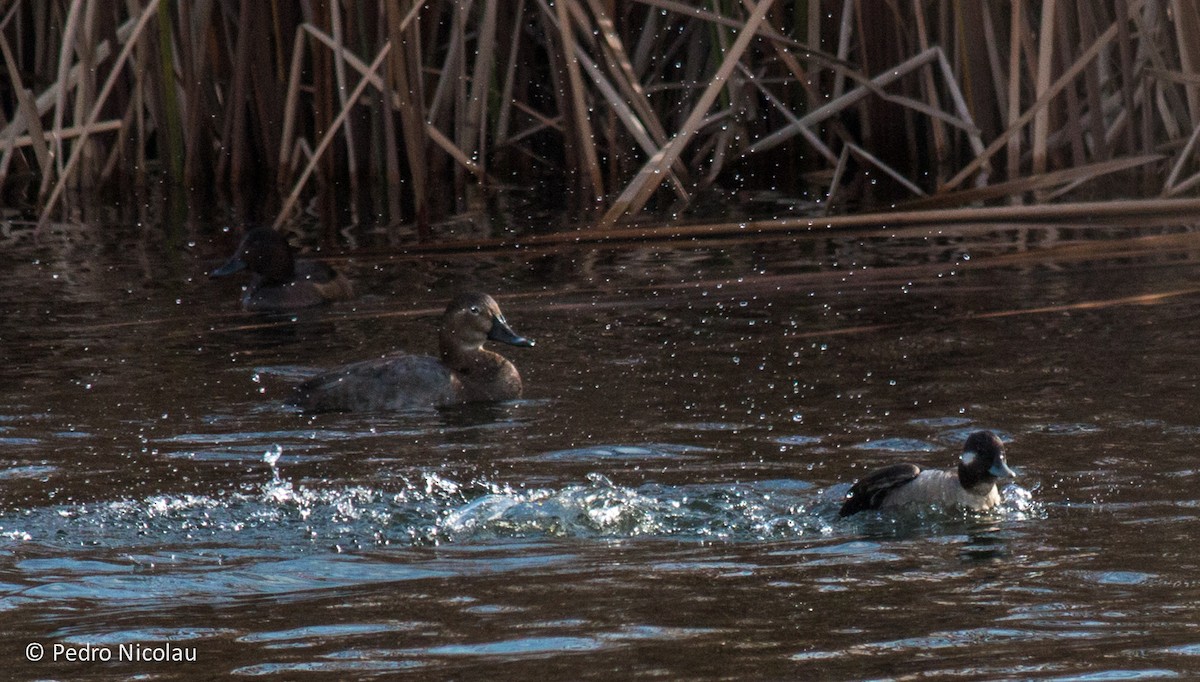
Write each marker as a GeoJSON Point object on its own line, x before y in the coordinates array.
{"type": "Point", "coordinates": [623, 107]}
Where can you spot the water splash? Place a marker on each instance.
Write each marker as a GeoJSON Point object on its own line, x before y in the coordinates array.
{"type": "Point", "coordinates": [434, 508]}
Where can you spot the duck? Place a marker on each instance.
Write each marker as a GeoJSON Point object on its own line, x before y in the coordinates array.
{"type": "Point", "coordinates": [463, 372]}
{"type": "Point", "coordinates": [970, 486]}
{"type": "Point", "coordinates": [280, 282]}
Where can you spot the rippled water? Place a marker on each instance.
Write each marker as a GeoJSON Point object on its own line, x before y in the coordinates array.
{"type": "Point", "coordinates": [663, 503]}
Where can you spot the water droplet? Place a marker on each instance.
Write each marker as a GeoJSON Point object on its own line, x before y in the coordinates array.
{"type": "Point", "coordinates": [272, 455]}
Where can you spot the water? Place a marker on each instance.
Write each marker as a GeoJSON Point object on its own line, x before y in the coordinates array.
{"type": "Point", "coordinates": [663, 503]}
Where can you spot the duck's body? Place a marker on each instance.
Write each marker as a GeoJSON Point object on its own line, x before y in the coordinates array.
{"type": "Point", "coordinates": [465, 371]}
{"type": "Point", "coordinates": [280, 282]}
{"type": "Point", "coordinates": [970, 486]}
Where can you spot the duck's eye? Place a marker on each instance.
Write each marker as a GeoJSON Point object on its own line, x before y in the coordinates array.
{"type": "Point", "coordinates": [474, 310]}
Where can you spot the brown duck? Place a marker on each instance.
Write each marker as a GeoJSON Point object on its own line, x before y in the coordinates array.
{"type": "Point", "coordinates": [464, 372]}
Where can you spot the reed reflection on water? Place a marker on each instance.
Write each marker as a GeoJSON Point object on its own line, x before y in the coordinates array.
{"type": "Point", "coordinates": [663, 501]}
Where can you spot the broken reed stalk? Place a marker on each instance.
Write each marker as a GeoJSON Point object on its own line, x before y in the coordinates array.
{"type": "Point", "coordinates": [884, 221]}
{"type": "Point", "coordinates": [638, 192]}
{"type": "Point", "coordinates": [77, 151]}
{"type": "Point", "coordinates": [65, 134]}
{"type": "Point", "coordinates": [27, 108]}
{"type": "Point", "coordinates": [290, 203]}
{"type": "Point", "coordinates": [1050, 92]}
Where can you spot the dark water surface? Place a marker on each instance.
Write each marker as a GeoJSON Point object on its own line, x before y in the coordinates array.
{"type": "Point", "coordinates": [662, 504]}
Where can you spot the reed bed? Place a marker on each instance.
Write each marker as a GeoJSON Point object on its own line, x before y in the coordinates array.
{"type": "Point", "coordinates": [404, 112]}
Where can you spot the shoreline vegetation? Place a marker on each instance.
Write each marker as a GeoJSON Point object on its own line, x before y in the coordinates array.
{"type": "Point", "coordinates": [403, 112]}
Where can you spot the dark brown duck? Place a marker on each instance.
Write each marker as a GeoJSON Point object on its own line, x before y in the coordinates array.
{"type": "Point", "coordinates": [279, 281]}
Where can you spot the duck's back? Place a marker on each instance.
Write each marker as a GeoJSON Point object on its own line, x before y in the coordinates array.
{"type": "Point", "coordinates": [393, 382]}
{"type": "Point", "coordinates": [943, 489]}
{"type": "Point", "coordinates": [314, 283]}
{"type": "Point", "coordinates": [329, 283]}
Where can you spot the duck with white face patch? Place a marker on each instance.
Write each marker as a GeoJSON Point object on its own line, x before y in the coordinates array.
{"type": "Point", "coordinates": [971, 486]}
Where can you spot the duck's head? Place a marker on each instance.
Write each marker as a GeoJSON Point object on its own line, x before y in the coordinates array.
{"type": "Point", "coordinates": [982, 460]}
{"type": "Point", "coordinates": [265, 252]}
{"type": "Point", "coordinates": [473, 318]}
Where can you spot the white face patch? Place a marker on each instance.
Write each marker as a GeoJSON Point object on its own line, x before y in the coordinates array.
{"type": "Point", "coordinates": [968, 457]}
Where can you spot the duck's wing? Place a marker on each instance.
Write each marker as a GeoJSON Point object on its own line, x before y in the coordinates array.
{"type": "Point", "coordinates": [393, 382]}
{"type": "Point", "coordinates": [329, 284]}
{"type": "Point", "coordinates": [869, 491]}
{"type": "Point", "coordinates": [315, 271]}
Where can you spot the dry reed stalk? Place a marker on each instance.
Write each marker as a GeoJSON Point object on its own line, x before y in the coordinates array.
{"type": "Point", "coordinates": [1069, 176]}
{"type": "Point", "coordinates": [447, 79]}
{"type": "Point", "coordinates": [66, 47]}
{"type": "Point", "coordinates": [808, 135]}
{"type": "Point", "coordinates": [375, 80]}
{"type": "Point", "coordinates": [1173, 111]}
{"type": "Point", "coordinates": [995, 62]}
{"type": "Point", "coordinates": [9, 14]}
{"type": "Point", "coordinates": [633, 124]}
{"type": "Point", "coordinates": [1050, 92]}
{"type": "Point", "coordinates": [290, 104]}
{"type": "Point", "coordinates": [229, 163]}
{"type": "Point", "coordinates": [117, 151]}
{"type": "Point", "coordinates": [1124, 41]}
{"type": "Point", "coordinates": [620, 66]}
{"type": "Point", "coordinates": [852, 97]}
{"type": "Point", "coordinates": [813, 37]}
{"type": "Point", "coordinates": [327, 138]}
{"type": "Point", "coordinates": [836, 181]}
{"type": "Point", "coordinates": [339, 72]}
{"type": "Point", "coordinates": [1093, 86]}
{"type": "Point", "coordinates": [1187, 39]}
{"type": "Point", "coordinates": [404, 79]}
{"type": "Point", "coordinates": [76, 152]}
{"type": "Point", "coordinates": [198, 146]}
{"type": "Point", "coordinates": [391, 149]}
{"type": "Point", "coordinates": [631, 62]}
{"type": "Point", "coordinates": [638, 192]}
{"type": "Point", "coordinates": [7, 157]}
{"type": "Point", "coordinates": [474, 139]}
{"type": "Point", "coordinates": [864, 155]}
{"type": "Point", "coordinates": [351, 60]}
{"type": "Point", "coordinates": [1017, 23]}
{"type": "Point", "coordinates": [1071, 128]}
{"type": "Point", "coordinates": [65, 133]}
{"type": "Point", "coordinates": [447, 145]}
{"type": "Point", "coordinates": [876, 222]}
{"type": "Point", "coordinates": [939, 141]}
{"type": "Point", "coordinates": [85, 93]}
{"type": "Point", "coordinates": [975, 71]}
{"type": "Point", "coordinates": [584, 137]}
{"type": "Point", "coordinates": [843, 45]}
{"type": "Point", "coordinates": [27, 108]}
{"type": "Point", "coordinates": [1041, 119]}
{"type": "Point", "coordinates": [510, 77]}
{"type": "Point", "coordinates": [46, 100]}
{"type": "Point", "coordinates": [1170, 188]}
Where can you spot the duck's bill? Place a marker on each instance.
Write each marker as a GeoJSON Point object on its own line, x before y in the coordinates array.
{"type": "Point", "coordinates": [504, 334]}
{"type": "Point", "coordinates": [231, 266]}
{"type": "Point", "coordinates": [1001, 470]}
